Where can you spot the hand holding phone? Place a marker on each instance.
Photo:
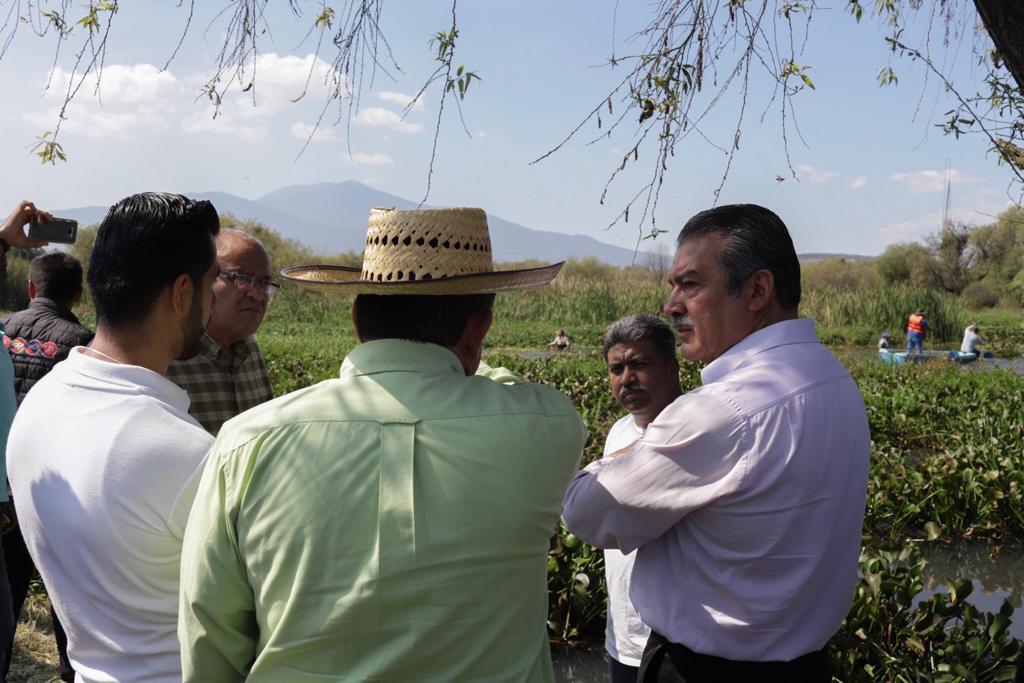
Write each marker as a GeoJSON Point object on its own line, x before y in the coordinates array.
{"type": "Point", "coordinates": [60, 230]}
{"type": "Point", "coordinates": [12, 231]}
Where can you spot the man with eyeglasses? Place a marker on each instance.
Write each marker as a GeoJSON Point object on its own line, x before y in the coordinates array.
{"type": "Point", "coordinates": [229, 375]}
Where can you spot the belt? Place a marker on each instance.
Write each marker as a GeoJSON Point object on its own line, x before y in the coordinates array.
{"type": "Point", "coordinates": [693, 667]}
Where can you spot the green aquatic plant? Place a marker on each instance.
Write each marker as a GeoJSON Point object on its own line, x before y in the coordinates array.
{"type": "Point", "coordinates": [892, 634]}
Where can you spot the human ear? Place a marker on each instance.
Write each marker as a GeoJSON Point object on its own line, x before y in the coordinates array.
{"type": "Point", "coordinates": [470, 346]}
{"type": "Point", "coordinates": [181, 294]}
{"type": "Point", "coordinates": [762, 290]}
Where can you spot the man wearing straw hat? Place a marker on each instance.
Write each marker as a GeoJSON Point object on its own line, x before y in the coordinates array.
{"type": "Point", "coordinates": [391, 524]}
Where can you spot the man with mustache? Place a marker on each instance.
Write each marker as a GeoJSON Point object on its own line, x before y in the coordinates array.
{"type": "Point", "coordinates": [229, 375]}
{"type": "Point", "coordinates": [643, 372]}
{"type": "Point", "coordinates": [746, 495]}
{"type": "Point", "coordinates": [103, 457]}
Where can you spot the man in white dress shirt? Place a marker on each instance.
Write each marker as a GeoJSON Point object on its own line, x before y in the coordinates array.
{"type": "Point", "coordinates": [103, 457]}
{"type": "Point", "coordinates": [643, 373]}
{"type": "Point", "coordinates": [746, 495]}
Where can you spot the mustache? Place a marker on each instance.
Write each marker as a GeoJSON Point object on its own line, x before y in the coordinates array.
{"type": "Point", "coordinates": [681, 321]}
{"type": "Point", "coordinates": [632, 386]}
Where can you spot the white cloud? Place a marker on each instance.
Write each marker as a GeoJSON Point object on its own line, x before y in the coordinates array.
{"type": "Point", "coordinates": [932, 181]}
{"type": "Point", "coordinates": [813, 175]}
{"type": "Point", "coordinates": [224, 124]}
{"type": "Point", "coordinates": [401, 99]}
{"type": "Point", "coordinates": [279, 80]}
{"type": "Point", "coordinates": [481, 134]}
{"type": "Point", "coordinates": [858, 182]}
{"type": "Point", "coordinates": [372, 159]}
{"type": "Point", "coordinates": [303, 131]}
{"type": "Point", "coordinates": [133, 99]}
{"type": "Point", "coordinates": [375, 116]}
{"type": "Point", "coordinates": [928, 223]}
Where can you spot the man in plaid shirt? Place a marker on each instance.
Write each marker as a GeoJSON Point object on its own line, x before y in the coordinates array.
{"type": "Point", "coordinates": [229, 375]}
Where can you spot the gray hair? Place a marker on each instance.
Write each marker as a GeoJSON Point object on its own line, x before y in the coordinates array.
{"type": "Point", "coordinates": [640, 327]}
{"type": "Point", "coordinates": [755, 239]}
{"type": "Point", "coordinates": [242, 235]}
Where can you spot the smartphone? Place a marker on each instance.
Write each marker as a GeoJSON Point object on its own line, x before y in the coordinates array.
{"type": "Point", "coordinates": [61, 230]}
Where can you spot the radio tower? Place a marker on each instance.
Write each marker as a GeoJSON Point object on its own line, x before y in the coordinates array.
{"type": "Point", "coordinates": [946, 220]}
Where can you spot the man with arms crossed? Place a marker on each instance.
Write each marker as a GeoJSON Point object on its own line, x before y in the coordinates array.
{"type": "Point", "coordinates": [643, 372]}
{"type": "Point", "coordinates": [229, 375]}
{"type": "Point", "coordinates": [746, 495]}
{"type": "Point", "coordinates": [103, 456]}
{"type": "Point", "coordinates": [391, 524]}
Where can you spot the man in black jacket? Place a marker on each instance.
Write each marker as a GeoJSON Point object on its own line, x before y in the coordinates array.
{"type": "Point", "coordinates": [42, 335]}
{"type": "Point", "coordinates": [38, 338]}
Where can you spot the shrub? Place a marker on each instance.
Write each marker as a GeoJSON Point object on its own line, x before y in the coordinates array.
{"type": "Point", "coordinates": [979, 295]}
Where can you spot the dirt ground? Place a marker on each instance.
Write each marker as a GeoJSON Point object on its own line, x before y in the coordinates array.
{"type": "Point", "coordinates": [35, 652]}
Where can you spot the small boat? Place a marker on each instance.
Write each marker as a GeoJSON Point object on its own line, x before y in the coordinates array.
{"type": "Point", "coordinates": [963, 357]}
{"type": "Point", "coordinates": [890, 357]}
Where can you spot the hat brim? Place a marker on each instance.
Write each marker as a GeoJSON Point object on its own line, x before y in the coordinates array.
{"type": "Point", "coordinates": [345, 280]}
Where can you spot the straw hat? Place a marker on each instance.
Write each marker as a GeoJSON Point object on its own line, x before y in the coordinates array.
{"type": "Point", "coordinates": [427, 251]}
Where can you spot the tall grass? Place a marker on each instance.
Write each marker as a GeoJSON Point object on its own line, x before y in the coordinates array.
{"type": "Point", "coordinates": [887, 309]}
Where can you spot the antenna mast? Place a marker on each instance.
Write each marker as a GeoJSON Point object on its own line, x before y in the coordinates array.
{"type": "Point", "coordinates": [946, 220]}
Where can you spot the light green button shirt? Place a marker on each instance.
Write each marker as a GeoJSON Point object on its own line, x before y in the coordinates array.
{"type": "Point", "coordinates": [389, 525]}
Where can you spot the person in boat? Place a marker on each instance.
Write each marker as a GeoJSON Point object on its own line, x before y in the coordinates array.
{"type": "Point", "coordinates": [917, 329]}
{"type": "Point", "coordinates": [561, 342]}
{"type": "Point", "coordinates": [643, 373]}
{"type": "Point", "coordinates": [972, 340]}
{"type": "Point", "coordinates": [745, 496]}
{"type": "Point", "coordinates": [884, 341]}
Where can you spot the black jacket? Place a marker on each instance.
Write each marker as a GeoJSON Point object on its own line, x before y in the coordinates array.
{"type": "Point", "coordinates": [40, 337]}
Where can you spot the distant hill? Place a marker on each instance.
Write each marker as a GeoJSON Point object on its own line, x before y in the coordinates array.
{"type": "Point", "coordinates": [331, 217]}
{"type": "Point", "coordinates": [811, 258]}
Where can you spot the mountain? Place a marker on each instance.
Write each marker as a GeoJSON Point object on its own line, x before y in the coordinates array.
{"type": "Point", "coordinates": [347, 204]}
{"type": "Point", "coordinates": [811, 258]}
{"type": "Point", "coordinates": [331, 217]}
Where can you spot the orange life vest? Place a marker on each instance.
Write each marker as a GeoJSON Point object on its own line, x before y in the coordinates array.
{"type": "Point", "coordinates": [916, 324]}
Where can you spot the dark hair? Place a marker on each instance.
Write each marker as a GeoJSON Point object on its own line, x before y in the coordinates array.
{"type": "Point", "coordinates": [424, 318]}
{"type": "Point", "coordinates": [640, 327]}
{"type": "Point", "coordinates": [756, 239]}
{"type": "Point", "coordinates": [57, 276]}
{"type": "Point", "coordinates": [144, 242]}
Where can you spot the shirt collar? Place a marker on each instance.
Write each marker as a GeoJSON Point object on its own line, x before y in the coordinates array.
{"type": "Point", "coordinates": [800, 331]}
{"type": "Point", "coordinates": [127, 378]}
{"type": "Point", "coordinates": [212, 349]}
{"type": "Point", "coordinates": [52, 305]}
{"type": "Point", "coordinates": [383, 355]}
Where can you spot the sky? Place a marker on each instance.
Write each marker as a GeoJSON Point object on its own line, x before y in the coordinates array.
{"type": "Point", "coordinates": [869, 160]}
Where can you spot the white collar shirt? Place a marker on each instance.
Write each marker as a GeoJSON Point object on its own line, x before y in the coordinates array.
{"type": "Point", "coordinates": [745, 498]}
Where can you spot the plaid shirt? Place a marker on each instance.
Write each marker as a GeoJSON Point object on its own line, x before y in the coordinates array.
{"type": "Point", "coordinates": [220, 390]}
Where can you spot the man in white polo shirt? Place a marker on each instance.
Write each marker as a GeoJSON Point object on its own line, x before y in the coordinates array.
{"type": "Point", "coordinates": [746, 495]}
{"type": "Point", "coordinates": [103, 457]}
{"type": "Point", "coordinates": [643, 372]}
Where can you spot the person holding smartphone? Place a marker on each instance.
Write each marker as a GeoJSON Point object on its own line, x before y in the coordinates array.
{"type": "Point", "coordinates": [12, 232]}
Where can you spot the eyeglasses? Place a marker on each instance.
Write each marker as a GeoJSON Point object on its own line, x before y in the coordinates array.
{"type": "Point", "coordinates": [239, 280]}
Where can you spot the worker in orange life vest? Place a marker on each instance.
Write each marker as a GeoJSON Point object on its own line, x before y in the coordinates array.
{"type": "Point", "coordinates": [917, 328]}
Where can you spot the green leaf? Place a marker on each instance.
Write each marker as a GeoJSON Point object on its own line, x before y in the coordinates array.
{"type": "Point", "coordinates": [998, 626]}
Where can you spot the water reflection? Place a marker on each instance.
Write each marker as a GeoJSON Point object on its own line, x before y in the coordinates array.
{"type": "Point", "coordinates": [997, 573]}
{"type": "Point", "coordinates": [580, 664]}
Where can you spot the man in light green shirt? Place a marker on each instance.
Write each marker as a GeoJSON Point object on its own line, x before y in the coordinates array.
{"type": "Point", "coordinates": [391, 524]}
